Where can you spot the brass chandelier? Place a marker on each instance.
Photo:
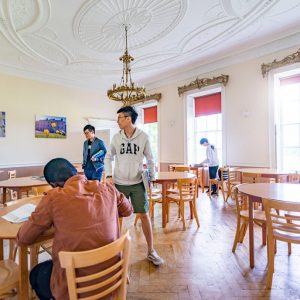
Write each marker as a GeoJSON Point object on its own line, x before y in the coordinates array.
{"type": "Point", "coordinates": [128, 92]}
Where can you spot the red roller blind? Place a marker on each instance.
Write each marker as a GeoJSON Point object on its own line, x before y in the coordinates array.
{"type": "Point", "coordinates": [208, 105]}
{"type": "Point", "coordinates": [150, 114]}
{"type": "Point", "coordinates": [290, 80]}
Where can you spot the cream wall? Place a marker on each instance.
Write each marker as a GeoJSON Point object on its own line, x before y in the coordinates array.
{"type": "Point", "coordinates": [245, 112]}
{"type": "Point", "coordinates": [22, 99]}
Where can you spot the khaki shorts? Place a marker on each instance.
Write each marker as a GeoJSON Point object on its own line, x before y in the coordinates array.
{"type": "Point", "coordinates": [137, 195]}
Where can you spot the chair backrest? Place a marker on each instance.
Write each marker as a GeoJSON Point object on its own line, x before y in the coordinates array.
{"type": "Point", "coordinates": [250, 177]}
{"type": "Point", "coordinates": [40, 190]}
{"type": "Point", "coordinates": [224, 173]}
{"type": "Point", "coordinates": [187, 187]}
{"type": "Point", "coordinates": [115, 275]}
{"type": "Point", "coordinates": [241, 200]}
{"type": "Point", "coordinates": [181, 169]}
{"type": "Point", "coordinates": [294, 178]}
{"type": "Point", "coordinates": [283, 220]}
{"type": "Point", "coordinates": [12, 174]}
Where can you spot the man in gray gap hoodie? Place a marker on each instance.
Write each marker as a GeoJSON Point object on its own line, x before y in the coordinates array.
{"type": "Point", "coordinates": [128, 148]}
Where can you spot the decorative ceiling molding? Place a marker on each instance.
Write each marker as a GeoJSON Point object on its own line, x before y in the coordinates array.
{"type": "Point", "coordinates": [98, 23]}
{"type": "Point", "coordinates": [288, 60]}
{"type": "Point", "coordinates": [167, 37]}
{"type": "Point", "coordinates": [200, 83]}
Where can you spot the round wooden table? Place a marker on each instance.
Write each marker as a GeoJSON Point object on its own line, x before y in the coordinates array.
{"type": "Point", "coordinates": [279, 175]}
{"type": "Point", "coordinates": [165, 178]}
{"type": "Point", "coordinates": [20, 184]}
{"type": "Point", "coordinates": [276, 191]}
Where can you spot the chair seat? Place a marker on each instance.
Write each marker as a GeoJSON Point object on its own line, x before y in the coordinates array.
{"type": "Point", "coordinates": [155, 198]}
{"type": "Point", "coordinates": [155, 190]}
{"type": "Point", "coordinates": [8, 276]}
{"type": "Point", "coordinates": [176, 197]}
{"type": "Point", "coordinates": [258, 215]}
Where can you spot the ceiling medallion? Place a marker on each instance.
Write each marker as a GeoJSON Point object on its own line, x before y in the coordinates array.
{"type": "Point", "coordinates": [128, 92]}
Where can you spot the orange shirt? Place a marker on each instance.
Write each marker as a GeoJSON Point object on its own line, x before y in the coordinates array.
{"type": "Point", "coordinates": [84, 215]}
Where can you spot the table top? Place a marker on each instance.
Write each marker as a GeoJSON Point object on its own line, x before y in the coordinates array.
{"type": "Point", "coordinates": [9, 230]}
{"type": "Point", "coordinates": [276, 191]}
{"type": "Point", "coordinates": [20, 182]}
{"type": "Point", "coordinates": [264, 171]}
{"type": "Point", "coordinates": [160, 176]}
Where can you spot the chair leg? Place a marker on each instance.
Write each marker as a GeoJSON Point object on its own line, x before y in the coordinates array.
{"type": "Point", "coordinates": [237, 235]}
{"type": "Point", "coordinates": [243, 231]}
{"type": "Point", "coordinates": [223, 192]}
{"type": "Point", "coordinates": [264, 234]}
{"type": "Point", "coordinates": [181, 204]}
{"type": "Point", "coordinates": [271, 250]}
{"type": "Point", "coordinates": [195, 213]}
{"type": "Point", "coordinates": [136, 219]}
{"type": "Point", "coordinates": [191, 211]}
{"type": "Point", "coordinates": [289, 248]}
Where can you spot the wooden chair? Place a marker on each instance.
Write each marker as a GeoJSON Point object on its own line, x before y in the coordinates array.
{"type": "Point", "coordinates": [115, 275]}
{"type": "Point", "coordinates": [41, 190]}
{"type": "Point", "coordinates": [242, 214]}
{"type": "Point", "coordinates": [9, 271]}
{"type": "Point", "coordinates": [187, 193]}
{"type": "Point", "coordinates": [153, 198]}
{"type": "Point", "coordinates": [281, 227]}
{"type": "Point", "coordinates": [294, 178]}
{"type": "Point", "coordinates": [13, 195]}
{"type": "Point", "coordinates": [232, 181]}
{"type": "Point", "coordinates": [250, 177]}
{"type": "Point", "coordinates": [226, 182]}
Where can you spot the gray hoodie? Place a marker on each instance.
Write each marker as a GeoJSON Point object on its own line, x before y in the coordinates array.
{"type": "Point", "coordinates": [128, 154]}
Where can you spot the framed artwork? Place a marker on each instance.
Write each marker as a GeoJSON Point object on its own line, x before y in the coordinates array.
{"type": "Point", "coordinates": [50, 127]}
{"type": "Point", "coordinates": [2, 124]}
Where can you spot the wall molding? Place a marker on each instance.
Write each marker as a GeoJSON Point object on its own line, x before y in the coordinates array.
{"type": "Point", "coordinates": [288, 60]}
{"type": "Point", "coordinates": [203, 82]}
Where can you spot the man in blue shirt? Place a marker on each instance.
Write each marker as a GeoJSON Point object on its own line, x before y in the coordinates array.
{"type": "Point", "coordinates": [94, 152]}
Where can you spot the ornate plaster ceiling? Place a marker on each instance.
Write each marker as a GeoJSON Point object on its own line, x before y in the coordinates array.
{"type": "Point", "coordinates": [79, 42]}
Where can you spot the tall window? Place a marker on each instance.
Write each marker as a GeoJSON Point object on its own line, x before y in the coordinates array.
{"type": "Point", "coordinates": [287, 118]}
{"type": "Point", "coordinates": [208, 123]}
{"type": "Point", "coordinates": [147, 121]}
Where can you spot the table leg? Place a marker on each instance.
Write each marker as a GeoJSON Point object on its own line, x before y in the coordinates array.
{"type": "Point", "coordinates": [164, 204]}
{"type": "Point", "coordinates": [4, 195]}
{"type": "Point", "coordinates": [200, 174]}
{"type": "Point", "coordinates": [19, 191]}
{"type": "Point", "coordinates": [1, 249]}
{"type": "Point", "coordinates": [251, 233]}
{"type": "Point", "coordinates": [23, 274]}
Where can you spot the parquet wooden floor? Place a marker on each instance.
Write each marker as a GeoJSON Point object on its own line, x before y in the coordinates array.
{"type": "Point", "coordinates": [199, 263]}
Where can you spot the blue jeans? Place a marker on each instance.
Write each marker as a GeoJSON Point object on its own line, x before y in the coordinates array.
{"type": "Point", "coordinates": [212, 175]}
{"type": "Point", "coordinates": [91, 173]}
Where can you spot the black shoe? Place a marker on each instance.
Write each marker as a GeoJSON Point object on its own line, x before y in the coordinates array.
{"type": "Point", "coordinates": [214, 194]}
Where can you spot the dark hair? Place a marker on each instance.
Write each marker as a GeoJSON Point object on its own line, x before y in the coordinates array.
{"type": "Point", "coordinates": [58, 170]}
{"type": "Point", "coordinates": [203, 140]}
{"type": "Point", "coordinates": [129, 111]}
{"type": "Point", "coordinates": [89, 128]}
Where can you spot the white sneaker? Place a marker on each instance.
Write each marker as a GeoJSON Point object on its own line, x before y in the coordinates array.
{"type": "Point", "coordinates": [155, 258]}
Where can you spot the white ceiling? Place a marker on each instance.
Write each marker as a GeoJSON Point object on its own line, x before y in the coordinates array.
{"type": "Point", "coordinates": [77, 42]}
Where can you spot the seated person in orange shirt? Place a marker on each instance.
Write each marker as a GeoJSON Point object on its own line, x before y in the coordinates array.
{"type": "Point", "coordinates": [85, 215]}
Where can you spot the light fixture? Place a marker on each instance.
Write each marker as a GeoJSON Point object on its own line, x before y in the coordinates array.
{"type": "Point", "coordinates": [128, 92]}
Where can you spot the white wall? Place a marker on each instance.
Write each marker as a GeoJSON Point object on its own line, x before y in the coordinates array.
{"type": "Point", "coordinates": [22, 99]}
{"type": "Point", "coordinates": [246, 113]}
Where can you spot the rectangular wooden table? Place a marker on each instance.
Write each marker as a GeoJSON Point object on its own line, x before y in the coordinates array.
{"type": "Point", "coordinates": [9, 231]}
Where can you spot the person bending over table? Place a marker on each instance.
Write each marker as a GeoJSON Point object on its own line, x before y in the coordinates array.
{"type": "Point", "coordinates": [85, 215]}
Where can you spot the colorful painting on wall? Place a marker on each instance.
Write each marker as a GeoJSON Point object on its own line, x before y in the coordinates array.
{"type": "Point", "coordinates": [2, 124]}
{"type": "Point", "coordinates": [50, 127]}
